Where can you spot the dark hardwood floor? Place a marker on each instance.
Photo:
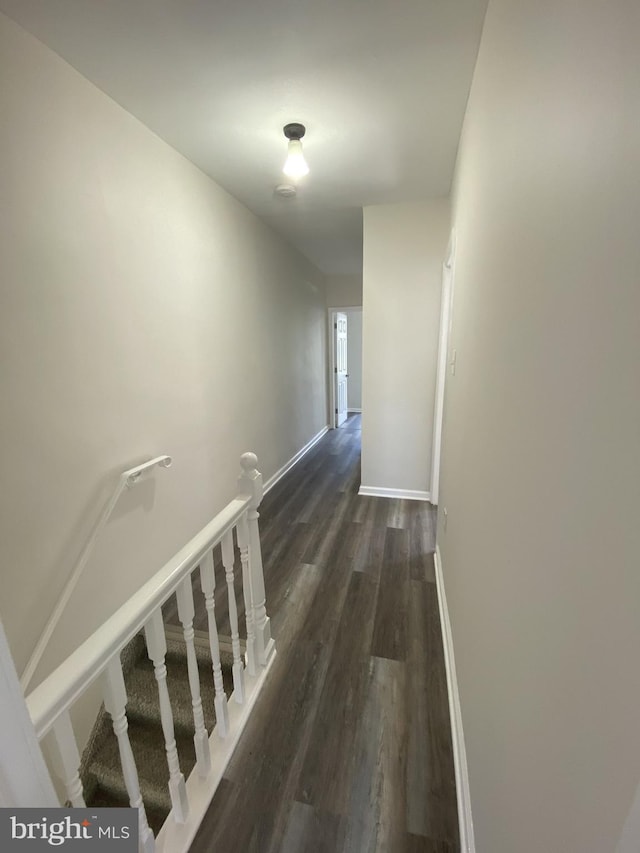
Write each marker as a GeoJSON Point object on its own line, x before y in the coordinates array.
{"type": "Point", "coordinates": [349, 747]}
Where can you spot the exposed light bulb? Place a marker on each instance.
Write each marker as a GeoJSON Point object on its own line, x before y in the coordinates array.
{"type": "Point", "coordinates": [295, 165]}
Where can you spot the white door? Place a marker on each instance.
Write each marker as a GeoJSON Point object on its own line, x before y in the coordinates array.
{"type": "Point", "coordinates": [340, 349]}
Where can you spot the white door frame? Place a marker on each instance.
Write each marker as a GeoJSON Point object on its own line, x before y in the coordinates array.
{"type": "Point", "coordinates": [446, 305]}
{"type": "Point", "coordinates": [331, 312]}
{"type": "Point", "coordinates": [24, 778]}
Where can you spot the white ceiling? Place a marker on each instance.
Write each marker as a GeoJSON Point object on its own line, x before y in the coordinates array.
{"type": "Point", "coordinates": [380, 84]}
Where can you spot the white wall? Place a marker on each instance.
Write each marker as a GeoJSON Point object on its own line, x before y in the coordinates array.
{"type": "Point", "coordinates": [354, 359]}
{"type": "Point", "coordinates": [404, 248]}
{"type": "Point", "coordinates": [541, 444]}
{"type": "Point", "coordinates": [144, 311]}
{"type": "Point", "coordinates": [343, 291]}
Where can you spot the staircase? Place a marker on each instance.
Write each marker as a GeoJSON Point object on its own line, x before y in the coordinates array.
{"type": "Point", "coordinates": [195, 699]}
{"type": "Point", "coordinates": [101, 771]}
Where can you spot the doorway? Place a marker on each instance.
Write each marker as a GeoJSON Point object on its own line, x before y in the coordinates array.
{"type": "Point", "coordinates": [340, 327]}
{"type": "Point", "coordinates": [345, 368]}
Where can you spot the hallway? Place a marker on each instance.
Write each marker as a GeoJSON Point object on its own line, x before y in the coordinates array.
{"type": "Point", "coordinates": [349, 748]}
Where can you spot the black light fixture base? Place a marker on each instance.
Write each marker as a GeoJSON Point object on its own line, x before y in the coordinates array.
{"type": "Point", "coordinates": [294, 130]}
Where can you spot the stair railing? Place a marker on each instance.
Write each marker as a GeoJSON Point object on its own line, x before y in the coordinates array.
{"type": "Point", "coordinates": [98, 657]}
{"type": "Point", "coordinates": [126, 480]}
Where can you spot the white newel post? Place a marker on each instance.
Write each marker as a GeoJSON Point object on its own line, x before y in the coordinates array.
{"type": "Point", "coordinates": [243, 544]}
{"type": "Point", "coordinates": [115, 701]}
{"type": "Point", "coordinates": [250, 483]}
{"type": "Point", "coordinates": [157, 649]}
{"type": "Point", "coordinates": [66, 759]}
{"type": "Point", "coordinates": [24, 778]}
{"type": "Point", "coordinates": [208, 584]}
{"type": "Point", "coordinates": [186, 613]}
{"type": "Point", "coordinates": [228, 559]}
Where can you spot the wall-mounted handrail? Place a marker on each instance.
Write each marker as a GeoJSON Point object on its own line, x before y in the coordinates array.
{"type": "Point", "coordinates": [126, 480]}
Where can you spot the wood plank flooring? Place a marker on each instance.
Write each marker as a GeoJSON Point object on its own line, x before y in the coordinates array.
{"type": "Point", "coordinates": [349, 747]}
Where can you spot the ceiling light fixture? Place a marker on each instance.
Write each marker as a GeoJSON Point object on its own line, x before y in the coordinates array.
{"type": "Point", "coordinates": [286, 190]}
{"type": "Point", "coordinates": [295, 165]}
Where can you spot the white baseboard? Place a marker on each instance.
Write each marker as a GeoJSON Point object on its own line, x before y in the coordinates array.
{"type": "Point", "coordinates": [406, 494]}
{"type": "Point", "coordinates": [294, 459]}
{"type": "Point", "coordinates": [355, 411]}
{"type": "Point", "coordinates": [465, 818]}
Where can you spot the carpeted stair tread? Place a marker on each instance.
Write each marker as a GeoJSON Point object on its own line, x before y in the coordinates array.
{"type": "Point", "coordinates": [176, 649]}
{"type": "Point", "coordinates": [102, 773]}
{"type": "Point", "coordinates": [107, 800]}
{"type": "Point", "coordinates": [147, 743]}
{"type": "Point", "coordinates": [142, 692]}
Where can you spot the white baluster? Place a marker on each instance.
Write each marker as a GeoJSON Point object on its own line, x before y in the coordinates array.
{"type": "Point", "coordinates": [157, 649]}
{"type": "Point", "coordinates": [228, 559]}
{"type": "Point", "coordinates": [66, 759]}
{"type": "Point", "coordinates": [115, 701]}
{"type": "Point", "coordinates": [186, 613]}
{"type": "Point", "coordinates": [243, 544]}
{"type": "Point", "coordinates": [208, 583]}
{"type": "Point", "coordinates": [250, 482]}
